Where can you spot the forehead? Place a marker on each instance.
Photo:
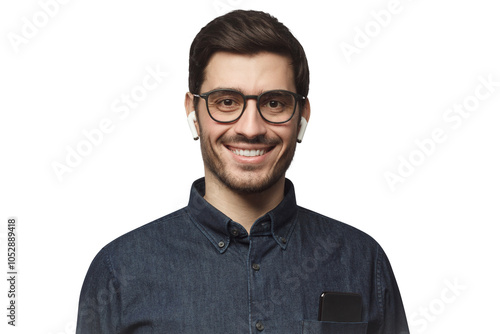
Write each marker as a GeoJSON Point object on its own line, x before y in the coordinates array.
{"type": "Point", "coordinates": [250, 74]}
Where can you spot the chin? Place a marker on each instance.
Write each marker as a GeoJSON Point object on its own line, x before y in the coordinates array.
{"type": "Point", "coordinates": [250, 182]}
{"type": "Point", "coordinates": [251, 185]}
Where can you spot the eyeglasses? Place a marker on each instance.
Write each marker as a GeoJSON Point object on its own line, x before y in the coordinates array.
{"type": "Point", "coordinates": [274, 106]}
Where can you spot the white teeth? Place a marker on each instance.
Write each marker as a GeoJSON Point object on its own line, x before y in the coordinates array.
{"type": "Point", "coordinates": [249, 153]}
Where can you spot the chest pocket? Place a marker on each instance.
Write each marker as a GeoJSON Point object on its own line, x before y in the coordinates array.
{"type": "Point", "coordinates": [327, 327]}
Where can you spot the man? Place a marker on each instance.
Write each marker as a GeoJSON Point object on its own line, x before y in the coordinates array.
{"type": "Point", "coordinates": [242, 257]}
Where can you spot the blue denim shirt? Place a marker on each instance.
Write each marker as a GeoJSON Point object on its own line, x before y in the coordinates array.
{"type": "Point", "coordinates": [198, 271]}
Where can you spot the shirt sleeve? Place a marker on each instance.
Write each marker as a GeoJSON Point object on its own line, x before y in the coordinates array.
{"type": "Point", "coordinates": [99, 305]}
{"type": "Point", "coordinates": [389, 299]}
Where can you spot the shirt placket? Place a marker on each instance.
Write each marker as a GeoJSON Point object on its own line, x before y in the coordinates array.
{"type": "Point", "coordinates": [259, 274]}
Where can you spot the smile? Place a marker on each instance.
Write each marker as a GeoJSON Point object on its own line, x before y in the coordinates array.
{"type": "Point", "coordinates": [243, 152]}
{"type": "Point", "coordinates": [249, 153]}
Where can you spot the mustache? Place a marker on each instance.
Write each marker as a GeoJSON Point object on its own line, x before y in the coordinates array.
{"type": "Point", "coordinates": [261, 139]}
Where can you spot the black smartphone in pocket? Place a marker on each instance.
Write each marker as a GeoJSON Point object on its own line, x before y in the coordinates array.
{"type": "Point", "coordinates": [340, 306]}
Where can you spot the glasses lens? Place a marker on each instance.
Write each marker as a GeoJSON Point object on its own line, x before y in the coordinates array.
{"type": "Point", "coordinates": [225, 105]}
{"type": "Point", "coordinates": [277, 106]}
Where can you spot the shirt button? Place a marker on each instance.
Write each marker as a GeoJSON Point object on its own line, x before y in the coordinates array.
{"type": "Point", "coordinates": [283, 240]}
{"type": "Point", "coordinates": [259, 325]}
{"type": "Point", "coordinates": [256, 266]}
{"type": "Point", "coordinates": [235, 232]}
{"type": "Point", "coordinates": [221, 244]}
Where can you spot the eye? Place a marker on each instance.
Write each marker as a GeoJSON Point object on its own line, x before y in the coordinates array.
{"type": "Point", "coordinates": [274, 104]}
{"type": "Point", "coordinates": [227, 105]}
{"type": "Point", "coordinates": [227, 102]}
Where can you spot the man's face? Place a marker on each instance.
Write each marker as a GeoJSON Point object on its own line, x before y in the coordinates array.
{"type": "Point", "coordinates": [223, 146]}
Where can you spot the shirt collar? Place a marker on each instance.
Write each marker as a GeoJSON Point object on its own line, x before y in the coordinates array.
{"type": "Point", "coordinates": [218, 228]}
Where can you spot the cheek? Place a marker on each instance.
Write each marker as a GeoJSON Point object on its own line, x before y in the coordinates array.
{"type": "Point", "coordinates": [208, 128]}
{"type": "Point", "coordinates": [214, 133]}
{"type": "Point", "coordinates": [288, 135]}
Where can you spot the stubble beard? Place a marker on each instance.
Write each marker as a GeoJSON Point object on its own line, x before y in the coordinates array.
{"type": "Point", "coordinates": [249, 182]}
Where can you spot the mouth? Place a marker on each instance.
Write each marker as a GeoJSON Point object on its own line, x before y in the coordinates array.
{"type": "Point", "coordinates": [249, 153]}
{"type": "Point", "coordinates": [246, 152]}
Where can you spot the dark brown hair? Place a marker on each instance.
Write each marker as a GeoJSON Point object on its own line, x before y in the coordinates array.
{"type": "Point", "coordinates": [246, 32]}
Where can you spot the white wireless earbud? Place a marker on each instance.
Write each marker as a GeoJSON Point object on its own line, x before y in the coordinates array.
{"type": "Point", "coordinates": [191, 119]}
{"type": "Point", "coordinates": [302, 131]}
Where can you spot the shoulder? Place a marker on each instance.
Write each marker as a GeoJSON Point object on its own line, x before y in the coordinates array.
{"type": "Point", "coordinates": [134, 243]}
{"type": "Point", "coordinates": [327, 227]}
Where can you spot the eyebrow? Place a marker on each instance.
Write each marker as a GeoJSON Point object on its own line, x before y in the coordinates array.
{"type": "Point", "coordinates": [242, 90]}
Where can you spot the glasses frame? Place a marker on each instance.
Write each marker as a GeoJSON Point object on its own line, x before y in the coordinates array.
{"type": "Point", "coordinates": [296, 96]}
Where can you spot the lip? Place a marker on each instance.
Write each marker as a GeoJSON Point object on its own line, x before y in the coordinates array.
{"type": "Point", "coordinates": [249, 153]}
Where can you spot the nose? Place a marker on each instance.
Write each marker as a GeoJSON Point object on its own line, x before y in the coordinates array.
{"type": "Point", "coordinates": [251, 124]}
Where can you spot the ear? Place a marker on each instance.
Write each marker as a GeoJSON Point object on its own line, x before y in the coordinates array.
{"type": "Point", "coordinates": [306, 113]}
{"type": "Point", "coordinates": [189, 103]}
{"type": "Point", "coordinates": [191, 115]}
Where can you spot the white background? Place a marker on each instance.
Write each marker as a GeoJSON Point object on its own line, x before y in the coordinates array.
{"type": "Point", "coordinates": [438, 227]}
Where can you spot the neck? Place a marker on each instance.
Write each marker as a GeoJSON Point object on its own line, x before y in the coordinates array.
{"type": "Point", "coordinates": [244, 209]}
